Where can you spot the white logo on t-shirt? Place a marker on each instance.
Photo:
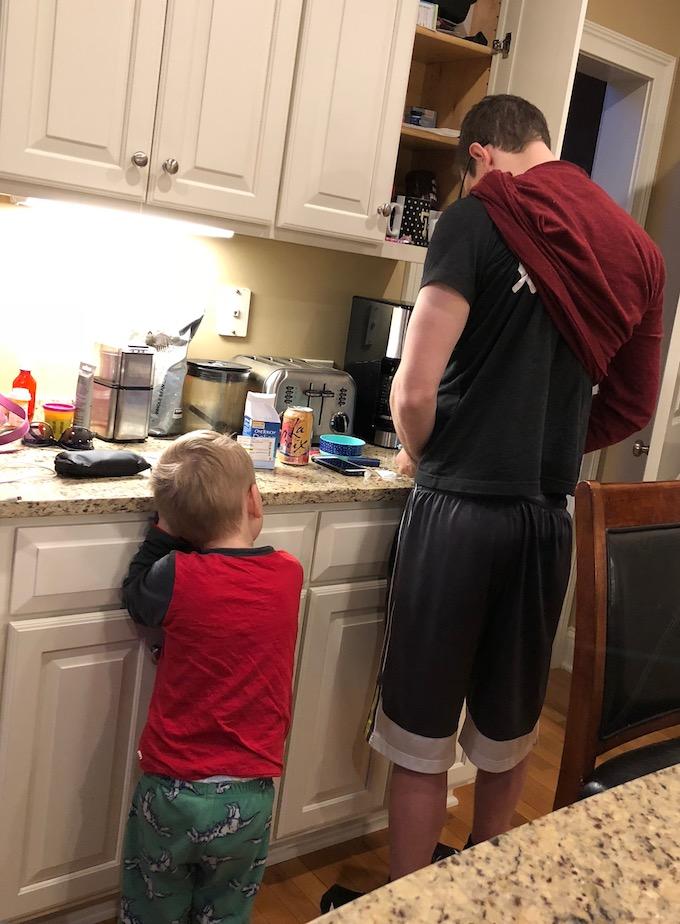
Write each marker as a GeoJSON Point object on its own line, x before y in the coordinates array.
{"type": "Point", "coordinates": [524, 279]}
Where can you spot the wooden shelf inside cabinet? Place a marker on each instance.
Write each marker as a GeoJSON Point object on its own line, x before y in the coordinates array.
{"type": "Point", "coordinates": [422, 139]}
{"type": "Point", "coordinates": [438, 48]}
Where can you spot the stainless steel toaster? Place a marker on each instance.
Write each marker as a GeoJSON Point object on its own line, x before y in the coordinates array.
{"type": "Point", "coordinates": [329, 392]}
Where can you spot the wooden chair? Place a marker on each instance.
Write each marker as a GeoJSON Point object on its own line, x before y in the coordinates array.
{"type": "Point", "coordinates": [626, 678]}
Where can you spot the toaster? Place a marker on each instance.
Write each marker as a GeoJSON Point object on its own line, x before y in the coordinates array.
{"type": "Point", "coordinates": [329, 392]}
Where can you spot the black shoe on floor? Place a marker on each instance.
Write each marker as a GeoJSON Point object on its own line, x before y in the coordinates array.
{"type": "Point", "coordinates": [443, 852]}
{"type": "Point", "coordinates": [336, 897]}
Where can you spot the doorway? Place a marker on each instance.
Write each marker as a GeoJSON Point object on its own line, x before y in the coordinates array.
{"type": "Point", "coordinates": [614, 131]}
{"type": "Point", "coordinates": [606, 126]}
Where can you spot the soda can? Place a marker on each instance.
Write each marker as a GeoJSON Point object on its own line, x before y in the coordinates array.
{"type": "Point", "coordinates": [296, 436]}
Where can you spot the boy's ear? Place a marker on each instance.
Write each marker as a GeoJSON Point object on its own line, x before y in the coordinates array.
{"type": "Point", "coordinates": [255, 502]}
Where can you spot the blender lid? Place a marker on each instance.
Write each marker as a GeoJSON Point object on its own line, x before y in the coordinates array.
{"type": "Point", "coordinates": [217, 370]}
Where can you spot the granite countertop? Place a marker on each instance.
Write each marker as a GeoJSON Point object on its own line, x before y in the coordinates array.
{"type": "Point", "coordinates": [612, 858]}
{"type": "Point", "coordinates": [29, 486]}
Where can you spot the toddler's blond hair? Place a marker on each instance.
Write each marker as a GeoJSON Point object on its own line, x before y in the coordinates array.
{"type": "Point", "coordinates": [200, 484]}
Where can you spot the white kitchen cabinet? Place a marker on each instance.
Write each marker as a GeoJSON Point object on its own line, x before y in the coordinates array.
{"type": "Point", "coordinates": [79, 84]}
{"type": "Point", "coordinates": [355, 544]}
{"type": "Point", "coordinates": [353, 66]}
{"type": "Point", "coordinates": [540, 66]}
{"type": "Point", "coordinates": [291, 532]}
{"type": "Point", "coordinates": [223, 106]}
{"type": "Point", "coordinates": [331, 773]}
{"type": "Point", "coordinates": [68, 734]}
{"type": "Point", "coordinates": [58, 568]}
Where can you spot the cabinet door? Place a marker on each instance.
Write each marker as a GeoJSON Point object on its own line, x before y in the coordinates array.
{"type": "Point", "coordinates": [331, 773]}
{"type": "Point", "coordinates": [68, 736]}
{"type": "Point", "coordinates": [353, 68]}
{"type": "Point", "coordinates": [546, 38]}
{"type": "Point", "coordinates": [223, 106]}
{"type": "Point", "coordinates": [79, 84]}
{"type": "Point", "coordinates": [291, 532]}
{"type": "Point", "coordinates": [71, 568]}
{"type": "Point", "coordinates": [355, 544]}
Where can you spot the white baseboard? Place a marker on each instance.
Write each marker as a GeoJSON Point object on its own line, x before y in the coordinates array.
{"type": "Point", "coordinates": [568, 659]}
{"type": "Point", "coordinates": [104, 910]}
{"type": "Point", "coordinates": [300, 844]}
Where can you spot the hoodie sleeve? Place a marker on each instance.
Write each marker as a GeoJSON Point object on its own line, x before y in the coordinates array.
{"type": "Point", "coordinates": [150, 582]}
{"type": "Point", "coordinates": [628, 394]}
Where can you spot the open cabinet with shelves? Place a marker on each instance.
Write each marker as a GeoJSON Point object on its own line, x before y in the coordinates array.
{"type": "Point", "coordinates": [448, 75]}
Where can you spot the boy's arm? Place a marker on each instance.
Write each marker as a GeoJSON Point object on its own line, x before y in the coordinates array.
{"type": "Point", "coordinates": [148, 587]}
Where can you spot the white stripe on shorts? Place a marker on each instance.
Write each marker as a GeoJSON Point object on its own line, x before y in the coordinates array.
{"type": "Point", "coordinates": [437, 755]}
{"type": "Point", "coordinates": [495, 756]}
{"type": "Point", "coordinates": [408, 750]}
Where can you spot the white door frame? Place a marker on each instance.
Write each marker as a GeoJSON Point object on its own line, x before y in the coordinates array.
{"type": "Point", "coordinates": [658, 68]}
{"type": "Point", "coordinates": [667, 408]}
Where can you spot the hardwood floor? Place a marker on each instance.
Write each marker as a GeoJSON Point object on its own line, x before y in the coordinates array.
{"type": "Point", "coordinates": [291, 890]}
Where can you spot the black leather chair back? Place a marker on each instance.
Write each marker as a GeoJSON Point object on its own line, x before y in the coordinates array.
{"type": "Point", "coordinates": [642, 663]}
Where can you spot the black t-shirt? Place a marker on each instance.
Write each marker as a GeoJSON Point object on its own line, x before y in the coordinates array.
{"type": "Point", "coordinates": [514, 402]}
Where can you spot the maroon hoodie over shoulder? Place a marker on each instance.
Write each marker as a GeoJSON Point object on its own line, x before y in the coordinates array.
{"type": "Point", "coordinates": [599, 275]}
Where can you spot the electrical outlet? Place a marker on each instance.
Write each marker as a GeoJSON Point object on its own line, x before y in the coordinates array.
{"type": "Point", "coordinates": [233, 311]}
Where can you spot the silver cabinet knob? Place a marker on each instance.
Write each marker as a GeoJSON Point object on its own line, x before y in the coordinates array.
{"type": "Point", "coordinates": [640, 449]}
{"type": "Point", "coordinates": [170, 166]}
{"type": "Point", "coordinates": [385, 210]}
{"type": "Point", "coordinates": [140, 159]}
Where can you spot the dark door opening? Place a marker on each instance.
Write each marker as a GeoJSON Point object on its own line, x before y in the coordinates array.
{"type": "Point", "coordinates": [583, 121]}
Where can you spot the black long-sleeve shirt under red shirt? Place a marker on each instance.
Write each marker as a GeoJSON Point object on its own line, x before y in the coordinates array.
{"type": "Point", "coordinates": [222, 699]}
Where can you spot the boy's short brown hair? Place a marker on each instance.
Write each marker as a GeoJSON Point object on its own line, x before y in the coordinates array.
{"type": "Point", "coordinates": [507, 122]}
{"type": "Point", "coordinates": [199, 486]}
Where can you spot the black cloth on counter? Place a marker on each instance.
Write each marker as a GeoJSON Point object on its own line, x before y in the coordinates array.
{"type": "Point", "coordinates": [100, 464]}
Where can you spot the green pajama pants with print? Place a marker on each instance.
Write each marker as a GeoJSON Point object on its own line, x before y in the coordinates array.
{"type": "Point", "coordinates": [195, 852]}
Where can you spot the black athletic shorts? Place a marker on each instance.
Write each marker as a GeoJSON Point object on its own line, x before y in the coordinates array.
{"type": "Point", "coordinates": [475, 601]}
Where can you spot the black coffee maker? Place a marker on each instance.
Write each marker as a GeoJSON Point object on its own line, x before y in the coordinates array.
{"type": "Point", "coordinates": [375, 341]}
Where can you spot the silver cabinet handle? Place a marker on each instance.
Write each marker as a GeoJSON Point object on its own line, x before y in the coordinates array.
{"type": "Point", "coordinates": [140, 159]}
{"type": "Point", "coordinates": [170, 166]}
{"type": "Point", "coordinates": [385, 210]}
{"type": "Point", "coordinates": [640, 449]}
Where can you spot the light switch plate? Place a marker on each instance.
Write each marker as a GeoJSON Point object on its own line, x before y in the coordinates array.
{"type": "Point", "coordinates": [233, 311]}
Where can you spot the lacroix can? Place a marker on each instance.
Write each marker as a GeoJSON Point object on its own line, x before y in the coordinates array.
{"type": "Point", "coordinates": [296, 436]}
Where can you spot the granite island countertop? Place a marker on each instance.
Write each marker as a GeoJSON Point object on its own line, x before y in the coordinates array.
{"type": "Point", "coordinates": [612, 858]}
{"type": "Point", "coordinates": [29, 486]}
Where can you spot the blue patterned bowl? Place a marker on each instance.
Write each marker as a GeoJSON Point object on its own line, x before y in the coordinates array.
{"type": "Point", "coordinates": [337, 444]}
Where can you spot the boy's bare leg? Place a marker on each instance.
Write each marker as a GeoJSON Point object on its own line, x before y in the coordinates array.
{"type": "Point", "coordinates": [417, 815]}
{"type": "Point", "coordinates": [496, 797]}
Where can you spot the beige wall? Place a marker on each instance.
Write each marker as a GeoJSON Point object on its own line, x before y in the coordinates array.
{"type": "Point", "coordinates": [654, 22]}
{"type": "Point", "coordinates": [69, 279]}
{"type": "Point", "coordinates": [301, 297]}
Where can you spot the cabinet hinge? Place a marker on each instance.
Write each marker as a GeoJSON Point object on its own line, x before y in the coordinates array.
{"type": "Point", "coordinates": [502, 46]}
